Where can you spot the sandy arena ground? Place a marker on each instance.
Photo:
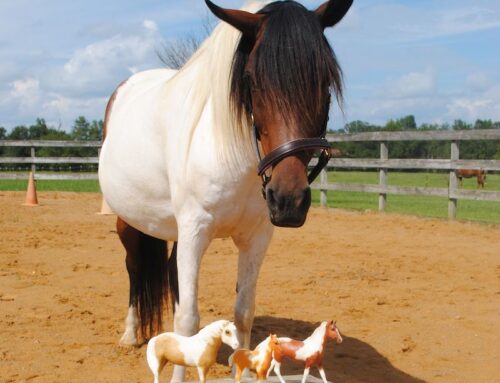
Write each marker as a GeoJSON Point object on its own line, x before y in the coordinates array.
{"type": "Point", "coordinates": [417, 300]}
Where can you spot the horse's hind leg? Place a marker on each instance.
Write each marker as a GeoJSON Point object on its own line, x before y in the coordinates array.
{"type": "Point", "coordinates": [146, 262]}
{"type": "Point", "coordinates": [130, 240]}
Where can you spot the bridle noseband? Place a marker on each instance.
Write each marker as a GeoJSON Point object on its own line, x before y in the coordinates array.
{"type": "Point", "coordinates": [288, 149]}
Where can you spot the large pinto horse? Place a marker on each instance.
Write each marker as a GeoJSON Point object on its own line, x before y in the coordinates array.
{"type": "Point", "coordinates": [181, 157]}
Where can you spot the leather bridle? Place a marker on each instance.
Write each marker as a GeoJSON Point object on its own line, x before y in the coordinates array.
{"type": "Point", "coordinates": [288, 149]}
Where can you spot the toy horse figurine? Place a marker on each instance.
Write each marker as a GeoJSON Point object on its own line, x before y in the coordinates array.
{"type": "Point", "coordinates": [199, 350]}
{"type": "Point", "coordinates": [258, 360]}
{"type": "Point", "coordinates": [310, 351]}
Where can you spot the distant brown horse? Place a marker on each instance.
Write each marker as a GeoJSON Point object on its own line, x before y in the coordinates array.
{"type": "Point", "coordinates": [480, 175]}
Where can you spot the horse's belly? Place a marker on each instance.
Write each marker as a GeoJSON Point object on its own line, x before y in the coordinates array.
{"type": "Point", "coordinates": [132, 166]}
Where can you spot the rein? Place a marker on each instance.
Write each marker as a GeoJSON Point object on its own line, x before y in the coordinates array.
{"type": "Point", "coordinates": [287, 149]}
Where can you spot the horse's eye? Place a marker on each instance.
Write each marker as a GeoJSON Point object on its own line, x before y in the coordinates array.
{"type": "Point", "coordinates": [228, 332]}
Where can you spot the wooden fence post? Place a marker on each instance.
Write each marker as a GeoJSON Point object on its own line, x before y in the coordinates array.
{"type": "Point", "coordinates": [453, 183]}
{"type": "Point", "coordinates": [382, 197]}
{"type": "Point", "coordinates": [323, 193]}
{"type": "Point", "coordinates": [33, 166]}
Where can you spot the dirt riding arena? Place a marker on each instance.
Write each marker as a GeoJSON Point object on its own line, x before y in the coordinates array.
{"type": "Point", "coordinates": [417, 300]}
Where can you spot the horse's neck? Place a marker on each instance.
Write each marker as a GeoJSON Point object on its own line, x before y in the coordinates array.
{"type": "Point", "coordinates": [318, 337]}
{"type": "Point", "coordinates": [211, 333]}
{"type": "Point", "coordinates": [262, 352]}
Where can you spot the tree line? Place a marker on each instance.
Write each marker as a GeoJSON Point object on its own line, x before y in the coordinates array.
{"type": "Point", "coordinates": [85, 130]}
{"type": "Point", "coordinates": [469, 150]}
{"type": "Point", "coordinates": [81, 130]}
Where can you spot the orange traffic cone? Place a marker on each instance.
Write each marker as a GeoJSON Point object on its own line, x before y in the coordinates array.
{"type": "Point", "coordinates": [105, 209]}
{"type": "Point", "coordinates": [31, 198]}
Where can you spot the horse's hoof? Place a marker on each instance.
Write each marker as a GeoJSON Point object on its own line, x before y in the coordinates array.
{"type": "Point", "coordinates": [128, 340]}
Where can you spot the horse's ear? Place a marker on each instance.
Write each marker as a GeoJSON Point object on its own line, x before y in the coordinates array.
{"type": "Point", "coordinates": [246, 22]}
{"type": "Point", "coordinates": [331, 12]}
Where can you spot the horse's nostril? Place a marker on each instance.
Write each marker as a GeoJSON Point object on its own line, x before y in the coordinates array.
{"type": "Point", "coordinates": [306, 198]}
{"type": "Point", "coordinates": [270, 196]}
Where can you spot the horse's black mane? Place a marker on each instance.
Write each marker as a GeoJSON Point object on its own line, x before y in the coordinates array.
{"type": "Point", "coordinates": [295, 66]}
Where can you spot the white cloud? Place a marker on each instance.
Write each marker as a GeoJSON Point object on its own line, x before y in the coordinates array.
{"type": "Point", "coordinates": [26, 92]}
{"type": "Point", "coordinates": [484, 106]}
{"type": "Point", "coordinates": [413, 84]}
{"type": "Point", "coordinates": [101, 65]}
{"type": "Point", "coordinates": [150, 25]}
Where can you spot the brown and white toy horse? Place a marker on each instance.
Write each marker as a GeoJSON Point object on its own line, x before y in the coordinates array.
{"type": "Point", "coordinates": [180, 160]}
{"type": "Point", "coordinates": [258, 360]}
{"type": "Point", "coordinates": [308, 352]}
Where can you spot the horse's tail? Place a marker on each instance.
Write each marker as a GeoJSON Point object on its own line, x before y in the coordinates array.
{"type": "Point", "coordinates": [151, 284]}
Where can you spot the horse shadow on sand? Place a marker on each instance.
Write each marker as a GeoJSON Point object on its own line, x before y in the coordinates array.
{"type": "Point", "coordinates": [352, 361]}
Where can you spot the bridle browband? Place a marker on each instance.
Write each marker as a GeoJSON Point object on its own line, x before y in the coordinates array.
{"type": "Point", "coordinates": [288, 149]}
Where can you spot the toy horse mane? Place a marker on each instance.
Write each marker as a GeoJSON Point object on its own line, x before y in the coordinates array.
{"type": "Point", "coordinates": [213, 329]}
{"type": "Point", "coordinates": [318, 333]}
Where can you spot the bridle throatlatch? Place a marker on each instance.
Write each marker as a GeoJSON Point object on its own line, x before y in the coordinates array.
{"type": "Point", "coordinates": [288, 149]}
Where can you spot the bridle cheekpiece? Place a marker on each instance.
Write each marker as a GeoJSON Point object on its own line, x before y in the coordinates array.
{"type": "Point", "coordinates": [288, 149]}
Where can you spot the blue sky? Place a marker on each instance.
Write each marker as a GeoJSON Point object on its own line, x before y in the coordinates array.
{"type": "Point", "coordinates": [436, 59]}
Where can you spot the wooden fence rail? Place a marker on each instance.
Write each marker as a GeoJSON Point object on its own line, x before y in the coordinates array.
{"type": "Point", "coordinates": [33, 160]}
{"type": "Point", "coordinates": [383, 164]}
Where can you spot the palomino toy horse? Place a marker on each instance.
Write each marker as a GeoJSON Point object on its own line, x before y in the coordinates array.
{"type": "Point", "coordinates": [309, 352]}
{"type": "Point", "coordinates": [199, 350]}
{"type": "Point", "coordinates": [258, 360]}
{"type": "Point", "coordinates": [181, 161]}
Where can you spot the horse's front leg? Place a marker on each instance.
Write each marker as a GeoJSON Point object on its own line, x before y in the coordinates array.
{"type": "Point", "coordinates": [193, 240]}
{"type": "Point", "coordinates": [252, 248]}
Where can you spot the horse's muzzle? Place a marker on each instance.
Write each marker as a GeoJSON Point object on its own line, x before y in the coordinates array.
{"type": "Point", "coordinates": [288, 210]}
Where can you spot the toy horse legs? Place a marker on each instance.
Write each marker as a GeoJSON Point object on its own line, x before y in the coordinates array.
{"type": "Point", "coordinates": [322, 374]}
{"type": "Point", "coordinates": [306, 374]}
{"type": "Point", "coordinates": [252, 249]}
{"type": "Point", "coordinates": [193, 240]}
{"type": "Point", "coordinates": [277, 370]}
{"type": "Point", "coordinates": [202, 373]}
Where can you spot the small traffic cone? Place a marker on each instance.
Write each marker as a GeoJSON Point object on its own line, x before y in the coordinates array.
{"type": "Point", "coordinates": [31, 198]}
{"type": "Point", "coordinates": [105, 209]}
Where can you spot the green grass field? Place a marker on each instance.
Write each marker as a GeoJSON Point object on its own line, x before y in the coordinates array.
{"type": "Point", "coordinates": [482, 211]}
{"type": "Point", "coordinates": [436, 207]}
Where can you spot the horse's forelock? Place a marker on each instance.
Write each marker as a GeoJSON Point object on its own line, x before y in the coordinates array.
{"type": "Point", "coordinates": [294, 67]}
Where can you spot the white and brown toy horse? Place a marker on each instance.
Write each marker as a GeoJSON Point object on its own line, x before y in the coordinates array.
{"type": "Point", "coordinates": [179, 164]}
{"type": "Point", "coordinates": [258, 360]}
{"type": "Point", "coordinates": [308, 352]}
{"type": "Point", "coordinates": [199, 350]}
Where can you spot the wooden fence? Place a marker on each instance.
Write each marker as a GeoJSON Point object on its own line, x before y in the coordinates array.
{"type": "Point", "coordinates": [382, 164]}
{"type": "Point", "coordinates": [33, 160]}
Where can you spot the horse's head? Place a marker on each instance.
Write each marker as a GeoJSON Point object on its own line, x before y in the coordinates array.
{"type": "Point", "coordinates": [274, 343]}
{"type": "Point", "coordinates": [230, 335]}
{"type": "Point", "coordinates": [283, 72]}
{"type": "Point", "coordinates": [333, 332]}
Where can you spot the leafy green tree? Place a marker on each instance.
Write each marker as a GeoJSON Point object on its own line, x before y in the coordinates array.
{"type": "Point", "coordinates": [460, 125]}
{"type": "Point", "coordinates": [3, 133]}
{"type": "Point", "coordinates": [38, 130]}
{"type": "Point", "coordinates": [81, 129]}
{"type": "Point", "coordinates": [20, 132]}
